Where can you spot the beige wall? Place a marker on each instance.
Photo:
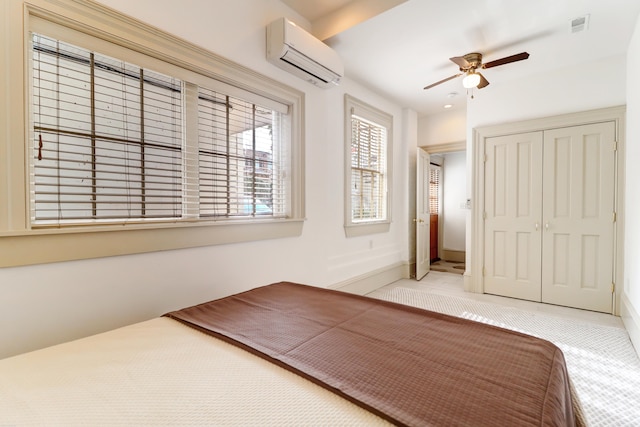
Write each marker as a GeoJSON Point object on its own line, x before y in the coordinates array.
{"type": "Point", "coordinates": [446, 127]}
{"type": "Point", "coordinates": [631, 296]}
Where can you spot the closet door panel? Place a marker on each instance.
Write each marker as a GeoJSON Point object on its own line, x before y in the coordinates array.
{"type": "Point", "coordinates": [513, 190]}
{"type": "Point", "coordinates": [578, 188]}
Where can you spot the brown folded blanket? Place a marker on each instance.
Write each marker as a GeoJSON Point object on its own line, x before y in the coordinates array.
{"type": "Point", "coordinates": [410, 366]}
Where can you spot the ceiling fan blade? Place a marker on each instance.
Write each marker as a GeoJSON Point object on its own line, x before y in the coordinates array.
{"type": "Point", "coordinates": [483, 82]}
{"type": "Point", "coordinates": [460, 62]}
{"type": "Point", "coordinates": [442, 81]}
{"type": "Point", "coordinates": [506, 60]}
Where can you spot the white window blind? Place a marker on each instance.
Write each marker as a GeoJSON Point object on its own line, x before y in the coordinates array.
{"type": "Point", "coordinates": [240, 162]}
{"type": "Point", "coordinates": [112, 144]}
{"type": "Point", "coordinates": [108, 137]}
{"type": "Point", "coordinates": [368, 159]}
{"type": "Point", "coordinates": [368, 170]}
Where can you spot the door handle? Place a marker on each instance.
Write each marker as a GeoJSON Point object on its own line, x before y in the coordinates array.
{"type": "Point", "coordinates": [537, 225]}
{"type": "Point", "coordinates": [546, 226]}
{"type": "Point", "coordinates": [420, 221]}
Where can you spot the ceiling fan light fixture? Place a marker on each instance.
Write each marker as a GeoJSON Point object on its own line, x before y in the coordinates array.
{"type": "Point", "coordinates": [469, 65]}
{"type": "Point", "coordinates": [471, 80]}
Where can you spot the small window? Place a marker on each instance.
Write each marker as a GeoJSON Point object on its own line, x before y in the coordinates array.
{"type": "Point", "coordinates": [368, 171]}
{"type": "Point", "coordinates": [434, 189]}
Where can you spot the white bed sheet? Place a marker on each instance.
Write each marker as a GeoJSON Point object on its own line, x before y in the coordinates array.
{"type": "Point", "coordinates": [161, 372]}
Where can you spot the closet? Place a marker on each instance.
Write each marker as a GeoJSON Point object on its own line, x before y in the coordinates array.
{"type": "Point", "coordinates": [549, 215]}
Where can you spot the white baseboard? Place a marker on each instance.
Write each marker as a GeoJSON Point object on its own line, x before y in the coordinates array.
{"type": "Point", "coordinates": [631, 320]}
{"type": "Point", "coordinates": [468, 283]}
{"type": "Point", "coordinates": [373, 280]}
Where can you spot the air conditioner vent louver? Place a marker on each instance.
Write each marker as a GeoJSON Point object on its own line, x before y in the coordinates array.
{"type": "Point", "coordinates": [296, 59]}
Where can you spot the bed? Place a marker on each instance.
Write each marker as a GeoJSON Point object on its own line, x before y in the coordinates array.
{"type": "Point", "coordinates": [291, 354]}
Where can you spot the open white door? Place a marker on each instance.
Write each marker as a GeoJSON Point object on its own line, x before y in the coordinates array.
{"type": "Point", "coordinates": [422, 215]}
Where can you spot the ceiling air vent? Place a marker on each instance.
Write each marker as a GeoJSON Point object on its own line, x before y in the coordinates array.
{"type": "Point", "coordinates": [580, 24]}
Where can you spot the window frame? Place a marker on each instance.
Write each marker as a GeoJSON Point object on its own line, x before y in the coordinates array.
{"type": "Point", "coordinates": [354, 106]}
{"type": "Point", "coordinates": [23, 244]}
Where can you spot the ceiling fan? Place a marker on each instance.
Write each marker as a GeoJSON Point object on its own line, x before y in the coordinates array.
{"type": "Point", "coordinates": [470, 64]}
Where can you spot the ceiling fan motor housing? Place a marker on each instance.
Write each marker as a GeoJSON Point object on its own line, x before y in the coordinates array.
{"type": "Point", "coordinates": [474, 59]}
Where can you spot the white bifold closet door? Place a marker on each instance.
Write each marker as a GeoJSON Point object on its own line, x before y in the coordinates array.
{"type": "Point", "coordinates": [549, 216]}
{"type": "Point", "coordinates": [513, 212]}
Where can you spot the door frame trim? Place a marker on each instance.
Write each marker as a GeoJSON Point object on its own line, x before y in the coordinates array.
{"type": "Point", "coordinates": [449, 147]}
{"type": "Point", "coordinates": [480, 134]}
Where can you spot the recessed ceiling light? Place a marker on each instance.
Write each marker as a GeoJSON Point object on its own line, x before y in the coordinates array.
{"type": "Point", "coordinates": [448, 106]}
{"type": "Point", "coordinates": [452, 94]}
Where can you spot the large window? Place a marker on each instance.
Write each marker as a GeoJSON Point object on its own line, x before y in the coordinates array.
{"type": "Point", "coordinates": [131, 140]}
{"type": "Point", "coordinates": [368, 168]}
{"type": "Point", "coordinates": [109, 144]}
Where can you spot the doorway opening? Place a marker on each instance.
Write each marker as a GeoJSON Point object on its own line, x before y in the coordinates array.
{"type": "Point", "coordinates": [448, 207]}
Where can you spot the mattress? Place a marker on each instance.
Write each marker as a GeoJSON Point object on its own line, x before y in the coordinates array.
{"type": "Point", "coordinates": [161, 372]}
{"type": "Point", "coordinates": [290, 354]}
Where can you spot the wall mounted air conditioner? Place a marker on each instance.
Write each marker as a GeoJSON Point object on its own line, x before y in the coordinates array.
{"type": "Point", "coordinates": [295, 50]}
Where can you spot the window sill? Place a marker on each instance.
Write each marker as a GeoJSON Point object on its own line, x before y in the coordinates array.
{"type": "Point", "coordinates": [56, 245]}
{"type": "Point", "coordinates": [355, 230]}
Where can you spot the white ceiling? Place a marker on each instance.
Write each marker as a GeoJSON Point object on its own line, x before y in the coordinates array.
{"type": "Point", "coordinates": [313, 10]}
{"type": "Point", "coordinates": [401, 50]}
